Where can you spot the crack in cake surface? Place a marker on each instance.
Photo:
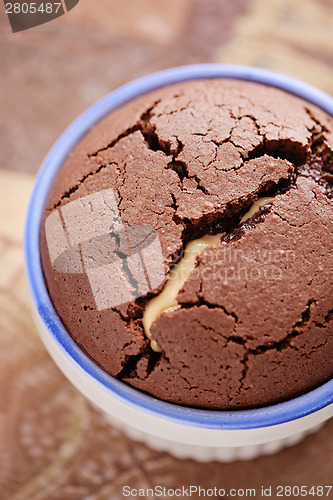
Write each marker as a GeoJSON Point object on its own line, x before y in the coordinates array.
{"type": "Point", "coordinates": [166, 301]}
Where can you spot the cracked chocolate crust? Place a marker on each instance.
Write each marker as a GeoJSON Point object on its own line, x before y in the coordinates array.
{"type": "Point", "coordinates": [255, 324]}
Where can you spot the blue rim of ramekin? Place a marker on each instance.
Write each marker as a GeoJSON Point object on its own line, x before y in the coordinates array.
{"type": "Point", "coordinates": [210, 419]}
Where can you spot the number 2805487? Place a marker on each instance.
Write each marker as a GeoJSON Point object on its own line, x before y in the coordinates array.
{"type": "Point", "coordinates": [32, 8]}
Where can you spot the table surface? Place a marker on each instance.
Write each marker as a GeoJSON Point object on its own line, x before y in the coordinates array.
{"type": "Point", "coordinates": [53, 445]}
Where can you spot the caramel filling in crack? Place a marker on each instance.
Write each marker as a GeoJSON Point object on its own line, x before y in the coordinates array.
{"type": "Point", "coordinates": [260, 202]}
{"type": "Point", "coordinates": [166, 300]}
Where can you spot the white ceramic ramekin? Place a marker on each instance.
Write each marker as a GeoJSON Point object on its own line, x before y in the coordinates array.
{"type": "Point", "coordinates": [185, 432]}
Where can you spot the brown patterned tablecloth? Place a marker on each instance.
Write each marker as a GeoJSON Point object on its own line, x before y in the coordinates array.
{"type": "Point", "coordinates": [53, 445]}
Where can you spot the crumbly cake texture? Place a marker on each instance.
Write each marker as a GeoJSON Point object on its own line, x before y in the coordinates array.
{"type": "Point", "coordinates": [255, 323]}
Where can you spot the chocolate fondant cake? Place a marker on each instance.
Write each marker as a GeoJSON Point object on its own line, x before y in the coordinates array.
{"type": "Point", "coordinates": [187, 244]}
